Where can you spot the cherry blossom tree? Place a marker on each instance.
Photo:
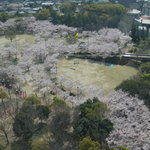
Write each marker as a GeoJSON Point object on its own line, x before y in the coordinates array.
{"type": "Point", "coordinates": [8, 52]}
{"type": "Point", "coordinates": [5, 127]}
{"type": "Point", "coordinates": [131, 121]}
{"type": "Point", "coordinates": [10, 76]}
{"type": "Point", "coordinates": [39, 78]}
{"type": "Point", "coordinates": [26, 62]}
{"type": "Point", "coordinates": [51, 63]}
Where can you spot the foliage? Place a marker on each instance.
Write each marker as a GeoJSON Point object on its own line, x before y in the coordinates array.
{"type": "Point", "coordinates": [97, 129]}
{"type": "Point", "coordinates": [121, 148]}
{"type": "Point", "coordinates": [91, 121]}
{"type": "Point", "coordinates": [59, 104]}
{"type": "Point", "coordinates": [29, 109]}
{"type": "Point", "coordinates": [23, 126]}
{"type": "Point", "coordinates": [10, 33]}
{"type": "Point", "coordinates": [43, 14]}
{"type": "Point", "coordinates": [24, 123]}
{"type": "Point", "coordinates": [4, 16]}
{"type": "Point", "coordinates": [6, 80]}
{"type": "Point", "coordinates": [125, 24]}
{"type": "Point", "coordinates": [145, 68]}
{"type": "Point", "coordinates": [94, 108]}
{"type": "Point", "coordinates": [72, 38]}
{"type": "Point", "coordinates": [68, 7]}
{"type": "Point", "coordinates": [142, 46]}
{"type": "Point", "coordinates": [140, 38]}
{"type": "Point", "coordinates": [139, 86]}
{"type": "Point", "coordinates": [20, 26]}
{"type": "Point", "coordinates": [5, 127]}
{"type": "Point", "coordinates": [21, 145]}
{"type": "Point", "coordinates": [135, 34]}
{"type": "Point", "coordinates": [42, 112]}
{"type": "Point", "coordinates": [1, 147]}
{"type": "Point", "coordinates": [105, 8]}
{"type": "Point", "coordinates": [32, 100]}
{"type": "Point", "coordinates": [146, 77]}
{"type": "Point", "coordinates": [3, 94]}
{"type": "Point", "coordinates": [59, 127]}
{"type": "Point", "coordinates": [88, 144]}
{"type": "Point", "coordinates": [92, 16]}
{"type": "Point", "coordinates": [40, 145]}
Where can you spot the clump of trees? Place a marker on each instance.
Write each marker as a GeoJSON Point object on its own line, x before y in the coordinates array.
{"type": "Point", "coordinates": [43, 14]}
{"type": "Point", "coordinates": [92, 122]}
{"type": "Point", "coordinates": [121, 148]}
{"type": "Point", "coordinates": [87, 143]}
{"type": "Point", "coordinates": [129, 119]}
{"type": "Point", "coordinates": [139, 85]}
{"type": "Point", "coordinates": [84, 126]}
{"type": "Point", "coordinates": [140, 37]}
{"type": "Point", "coordinates": [10, 33]}
{"type": "Point", "coordinates": [141, 47]}
{"type": "Point", "coordinates": [87, 17]}
{"type": "Point", "coordinates": [5, 16]}
{"type": "Point", "coordinates": [24, 125]}
{"type": "Point", "coordinates": [72, 38]}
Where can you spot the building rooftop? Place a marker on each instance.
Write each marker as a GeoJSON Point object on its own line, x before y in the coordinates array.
{"type": "Point", "coordinates": [37, 8]}
{"type": "Point", "coordinates": [48, 4]}
{"type": "Point", "coordinates": [144, 20]}
{"type": "Point", "coordinates": [134, 12]}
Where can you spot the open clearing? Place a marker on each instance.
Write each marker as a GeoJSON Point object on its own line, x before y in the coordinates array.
{"type": "Point", "coordinates": [93, 73]}
{"type": "Point", "coordinates": [20, 40]}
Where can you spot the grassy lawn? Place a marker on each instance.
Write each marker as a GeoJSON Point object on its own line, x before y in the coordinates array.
{"type": "Point", "coordinates": [92, 73]}
{"type": "Point", "coordinates": [20, 40]}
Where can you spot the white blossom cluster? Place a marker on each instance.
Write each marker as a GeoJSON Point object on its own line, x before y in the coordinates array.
{"type": "Point", "coordinates": [4, 26]}
{"type": "Point", "coordinates": [46, 28]}
{"type": "Point", "coordinates": [8, 51]}
{"type": "Point", "coordinates": [131, 121]}
{"type": "Point", "coordinates": [105, 42]}
{"type": "Point", "coordinates": [12, 72]}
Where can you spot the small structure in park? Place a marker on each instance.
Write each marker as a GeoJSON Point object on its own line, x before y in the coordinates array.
{"type": "Point", "coordinates": [134, 13]}
{"type": "Point", "coordinates": [143, 18]}
{"type": "Point", "coordinates": [144, 22]}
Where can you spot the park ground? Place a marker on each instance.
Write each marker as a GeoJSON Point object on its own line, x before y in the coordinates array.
{"type": "Point", "coordinates": [92, 73]}
{"type": "Point", "coordinates": [20, 40]}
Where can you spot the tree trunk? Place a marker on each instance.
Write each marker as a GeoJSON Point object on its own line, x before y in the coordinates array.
{"type": "Point", "coordinates": [6, 136]}
{"type": "Point", "coordinates": [9, 92]}
{"type": "Point", "coordinates": [4, 105]}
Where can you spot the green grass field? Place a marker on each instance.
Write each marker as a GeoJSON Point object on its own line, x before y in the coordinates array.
{"type": "Point", "coordinates": [93, 73]}
{"type": "Point", "coordinates": [20, 40]}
